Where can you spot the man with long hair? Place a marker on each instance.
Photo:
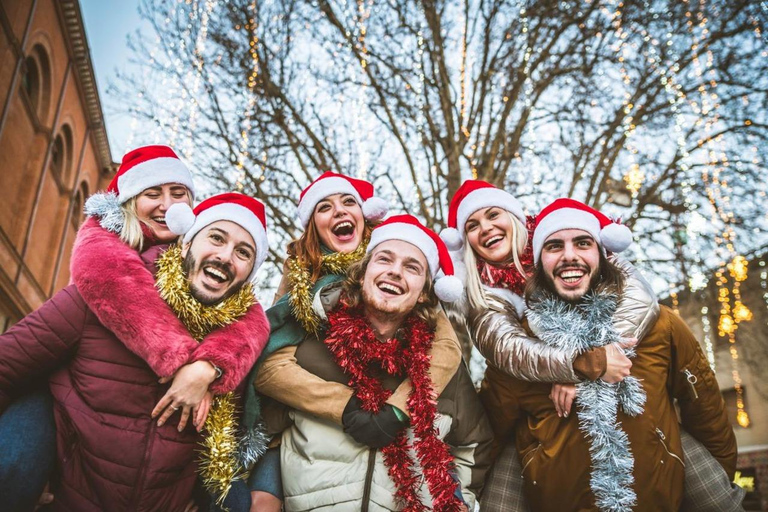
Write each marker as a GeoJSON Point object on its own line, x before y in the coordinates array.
{"type": "Point", "coordinates": [380, 328]}
{"type": "Point", "coordinates": [621, 450]}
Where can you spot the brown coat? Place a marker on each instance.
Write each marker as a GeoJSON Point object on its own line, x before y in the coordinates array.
{"type": "Point", "coordinates": [555, 455]}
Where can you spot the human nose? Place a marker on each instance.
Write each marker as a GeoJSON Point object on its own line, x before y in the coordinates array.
{"type": "Point", "coordinates": [485, 225]}
{"type": "Point", "coordinates": [165, 202]}
{"type": "Point", "coordinates": [569, 252]}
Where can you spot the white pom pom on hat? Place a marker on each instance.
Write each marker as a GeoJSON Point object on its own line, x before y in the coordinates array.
{"type": "Point", "coordinates": [452, 239]}
{"type": "Point", "coordinates": [375, 208]}
{"type": "Point", "coordinates": [616, 237]}
{"type": "Point", "coordinates": [179, 218]}
{"type": "Point", "coordinates": [407, 228]}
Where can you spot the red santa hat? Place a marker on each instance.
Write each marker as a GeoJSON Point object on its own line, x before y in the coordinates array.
{"type": "Point", "coordinates": [241, 209]}
{"type": "Point", "coordinates": [475, 195]}
{"type": "Point", "coordinates": [149, 166]}
{"type": "Point", "coordinates": [407, 228]}
{"type": "Point", "coordinates": [329, 183]}
{"type": "Point", "coordinates": [567, 213]}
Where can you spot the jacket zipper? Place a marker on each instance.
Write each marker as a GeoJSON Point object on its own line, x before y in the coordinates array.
{"type": "Point", "coordinates": [692, 380]}
{"type": "Point", "coordinates": [663, 438]}
{"type": "Point", "coordinates": [368, 479]}
{"type": "Point", "coordinates": [137, 491]}
{"type": "Point", "coordinates": [533, 454]}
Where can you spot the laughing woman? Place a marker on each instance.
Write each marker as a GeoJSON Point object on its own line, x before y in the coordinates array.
{"type": "Point", "coordinates": [337, 213]}
{"type": "Point", "coordinates": [497, 254]}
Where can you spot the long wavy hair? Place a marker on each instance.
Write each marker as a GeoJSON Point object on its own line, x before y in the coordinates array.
{"type": "Point", "coordinates": [611, 279]}
{"type": "Point", "coordinates": [352, 292]}
{"type": "Point", "coordinates": [474, 284]}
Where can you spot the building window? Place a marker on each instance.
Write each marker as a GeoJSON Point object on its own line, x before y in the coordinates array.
{"type": "Point", "coordinates": [36, 81]}
{"type": "Point", "coordinates": [61, 156]}
{"type": "Point", "coordinates": [77, 206]}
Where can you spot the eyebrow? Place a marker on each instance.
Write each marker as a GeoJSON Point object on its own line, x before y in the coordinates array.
{"type": "Point", "coordinates": [582, 238]}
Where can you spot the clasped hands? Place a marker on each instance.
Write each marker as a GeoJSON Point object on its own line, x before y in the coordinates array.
{"type": "Point", "coordinates": [188, 393]}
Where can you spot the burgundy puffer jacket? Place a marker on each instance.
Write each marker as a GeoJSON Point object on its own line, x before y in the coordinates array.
{"type": "Point", "coordinates": [111, 454]}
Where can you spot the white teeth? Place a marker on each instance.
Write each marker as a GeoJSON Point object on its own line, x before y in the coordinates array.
{"type": "Point", "coordinates": [391, 288]}
{"type": "Point", "coordinates": [571, 273]}
{"type": "Point", "coordinates": [218, 273]}
{"type": "Point", "coordinates": [493, 240]}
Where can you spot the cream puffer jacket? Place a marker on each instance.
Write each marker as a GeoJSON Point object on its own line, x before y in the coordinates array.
{"type": "Point", "coordinates": [499, 336]}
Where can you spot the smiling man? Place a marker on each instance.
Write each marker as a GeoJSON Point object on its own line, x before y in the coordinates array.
{"type": "Point", "coordinates": [622, 449]}
{"type": "Point", "coordinates": [381, 326]}
{"type": "Point", "coordinates": [107, 431]}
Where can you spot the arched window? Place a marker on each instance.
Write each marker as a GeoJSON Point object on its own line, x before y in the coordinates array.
{"type": "Point", "coordinates": [36, 81]}
{"type": "Point", "coordinates": [61, 155]}
{"type": "Point", "coordinates": [77, 205]}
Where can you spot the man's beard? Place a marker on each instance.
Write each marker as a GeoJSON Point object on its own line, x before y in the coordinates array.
{"type": "Point", "coordinates": [190, 264]}
{"type": "Point", "coordinates": [549, 287]}
{"type": "Point", "coordinates": [380, 307]}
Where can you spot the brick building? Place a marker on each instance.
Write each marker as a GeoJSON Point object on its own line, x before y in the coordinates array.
{"type": "Point", "coordinates": [53, 147]}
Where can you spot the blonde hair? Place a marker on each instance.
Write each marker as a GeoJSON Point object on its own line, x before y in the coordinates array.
{"type": "Point", "coordinates": [132, 233]}
{"type": "Point", "coordinates": [474, 285]}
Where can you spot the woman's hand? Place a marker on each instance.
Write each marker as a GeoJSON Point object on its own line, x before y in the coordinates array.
{"type": "Point", "coordinates": [190, 383]}
{"type": "Point", "coordinates": [200, 412]}
{"type": "Point", "coordinates": [563, 395]}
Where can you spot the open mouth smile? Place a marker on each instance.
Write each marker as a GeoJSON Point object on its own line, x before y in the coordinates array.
{"type": "Point", "coordinates": [216, 275]}
{"type": "Point", "coordinates": [390, 289]}
{"type": "Point", "coordinates": [493, 241]}
{"type": "Point", "coordinates": [344, 230]}
{"type": "Point", "coordinates": [572, 276]}
{"type": "Point", "coordinates": [160, 220]}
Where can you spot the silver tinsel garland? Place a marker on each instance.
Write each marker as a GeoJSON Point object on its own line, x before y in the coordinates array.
{"type": "Point", "coordinates": [581, 327]}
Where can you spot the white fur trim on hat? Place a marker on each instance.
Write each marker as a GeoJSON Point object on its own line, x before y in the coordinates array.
{"type": "Point", "coordinates": [375, 208]}
{"type": "Point", "coordinates": [179, 218]}
{"type": "Point", "coordinates": [239, 215]}
{"type": "Point", "coordinates": [319, 191]}
{"type": "Point", "coordinates": [411, 234]}
{"type": "Point", "coordinates": [564, 218]}
{"type": "Point", "coordinates": [486, 198]}
{"type": "Point", "coordinates": [153, 173]}
{"type": "Point", "coordinates": [452, 239]}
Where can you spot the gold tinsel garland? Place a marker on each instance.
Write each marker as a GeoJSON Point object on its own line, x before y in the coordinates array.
{"type": "Point", "coordinates": [218, 465]}
{"type": "Point", "coordinates": [299, 275]}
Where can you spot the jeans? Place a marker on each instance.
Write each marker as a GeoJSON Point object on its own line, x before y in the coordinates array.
{"type": "Point", "coordinates": [27, 449]}
{"type": "Point", "coordinates": [264, 477]}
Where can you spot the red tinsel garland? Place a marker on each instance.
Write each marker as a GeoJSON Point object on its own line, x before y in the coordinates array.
{"type": "Point", "coordinates": [509, 276]}
{"type": "Point", "coordinates": [354, 345]}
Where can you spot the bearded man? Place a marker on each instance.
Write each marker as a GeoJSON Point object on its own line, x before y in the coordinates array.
{"type": "Point", "coordinates": [380, 327]}
{"type": "Point", "coordinates": [622, 449]}
{"type": "Point", "coordinates": [113, 451]}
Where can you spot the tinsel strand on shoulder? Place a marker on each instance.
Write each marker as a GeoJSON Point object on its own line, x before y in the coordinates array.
{"type": "Point", "coordinates": [300, 278]}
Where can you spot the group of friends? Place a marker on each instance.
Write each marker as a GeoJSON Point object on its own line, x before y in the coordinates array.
{"type": "Point", "coordinates": [156, 381]}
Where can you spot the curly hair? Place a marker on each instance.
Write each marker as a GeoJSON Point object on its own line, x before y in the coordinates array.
{"type": "Point", "coordinates": [352, 292]}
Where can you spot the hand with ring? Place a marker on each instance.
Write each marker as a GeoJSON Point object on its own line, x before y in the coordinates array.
{"type": "Point", "coordinates": [187, 392]}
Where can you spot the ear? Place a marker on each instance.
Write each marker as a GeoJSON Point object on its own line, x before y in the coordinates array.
{"type": "Point", "coordinates": [185, 249]}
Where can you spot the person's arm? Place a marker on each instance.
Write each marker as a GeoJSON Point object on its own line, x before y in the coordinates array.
{"type": "Point", "coordinates": [117, 286]}
{"type": "Point", "coordinates": [445, 358]}
{"type": "Point", "coordinates": [234, 348]}
{"type": "Point", "coordinates": [638, 308]}
{"type": "Point", "coordinates": [500, 338]}
{"type": "Point", "coordinates": [693, 383]}
{"type": "Point", "coordinates": [40, 342]}
{"type": "Point", "coordinates": [283, 379]}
